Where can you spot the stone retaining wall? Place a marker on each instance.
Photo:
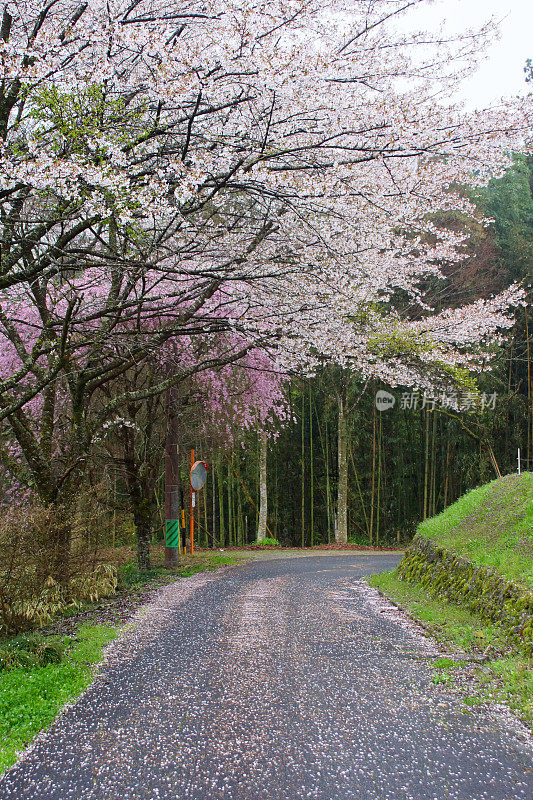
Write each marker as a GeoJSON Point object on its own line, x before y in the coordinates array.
{"type": "Point", "coordinates": [446, 574]}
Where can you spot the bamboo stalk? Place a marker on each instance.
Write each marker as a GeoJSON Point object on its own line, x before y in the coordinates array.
{"type": "Point", "coordinates": [214, 506]}
{"type": "Point", "coordinates": [379, 484]}
{"type": "Point", "coordinates": [372, 489]}
{"type": "Point", "coordinates": [303, 474]}
{"type": "Point", "coordinates": [358, 484]}
{"type": "Point", "coordinates": [240, 520]}
{"type": "Point", "coordinates": [328, 483]}
{"type": "Point", "coordinates": [426, 469]}
{"type": "Point", "coordinates": [249, 496]}
{"type": "Point", "coordinates": [447, 475]}
{"type": "Point", "coordinates": [324, 445]}
{"type": "Point", "coordinates": [311, 496]}
{"type": "Point", "coordinates": [433, 466]}
{"type": "Point", "coordinates": [529, 395]}
{"type": "Point", "coordinates": [230, 504]}
{"type": "Point", "coordinates": [221, 506]}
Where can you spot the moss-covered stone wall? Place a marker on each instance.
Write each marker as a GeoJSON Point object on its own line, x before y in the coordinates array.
{"type": "Point", "coordinates": [483, 591]}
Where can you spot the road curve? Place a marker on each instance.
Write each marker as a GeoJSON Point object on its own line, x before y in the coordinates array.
{"type": "Point", "coordinates": [276, 680]}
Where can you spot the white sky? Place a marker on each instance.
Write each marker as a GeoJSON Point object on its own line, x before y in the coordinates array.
{"type": "Point", "coordinates": [501, 74]}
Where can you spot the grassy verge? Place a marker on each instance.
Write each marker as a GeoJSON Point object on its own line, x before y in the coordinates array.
{"type": "Point", "coordinates": [31, 698]}
{"type": "Point", "coordinates": [491, 526]}
{"type": "Point", "coordinates": [501, 673]}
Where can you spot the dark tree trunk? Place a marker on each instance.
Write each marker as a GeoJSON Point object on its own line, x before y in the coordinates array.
{"type": "Point", "coordinates": [144, 537]}
{"type": "Point", "coordinates": [60, 537]}
{"type": "Point", "coordinates": [142, 507]}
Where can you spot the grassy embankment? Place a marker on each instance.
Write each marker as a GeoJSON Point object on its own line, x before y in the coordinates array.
{"type": "Point", "coordinates": [492, 528]}
{"type": "Point", "coordinates": [39, 673]}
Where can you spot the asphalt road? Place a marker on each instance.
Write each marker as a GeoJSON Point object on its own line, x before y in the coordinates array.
{"type": "Point", "coordinates": [278, 680]}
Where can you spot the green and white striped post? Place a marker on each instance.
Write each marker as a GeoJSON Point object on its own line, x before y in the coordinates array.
{"type": "Point", "coordinates": [172, 490]}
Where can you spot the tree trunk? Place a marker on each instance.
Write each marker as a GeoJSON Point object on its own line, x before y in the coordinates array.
{"type": "Point", "coordinates": [221, 505]}
{"type": "Point", "coordinates": [263, 495]}
{"type": "Point", "coordinates": [341, 529]}
{"type": "Point", "coordinates": [61, 538]}
{"type": "Point", "coordinates": [144, 535]}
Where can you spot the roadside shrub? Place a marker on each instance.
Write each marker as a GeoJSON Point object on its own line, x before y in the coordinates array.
{"type": "Point", "coordinates": [32, 589]}
{"type": "Point", "coordinates": [30, 650]}
{"type": "Point", "coordinates": [128, 574]}
{"type": "Point", "coordinates": [101, 581]}
{"type": "Point", "coordinates": [358, 538]}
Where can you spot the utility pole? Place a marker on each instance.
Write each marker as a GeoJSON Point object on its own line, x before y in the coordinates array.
{"type": "Point", "coordinates": [172, 489]}
{"type": "Point", "coordinates": [192, 510]}
{"type": "Point", "coordinates": [214, 504]}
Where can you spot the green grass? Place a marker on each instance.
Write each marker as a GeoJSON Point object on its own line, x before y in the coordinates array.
{"type": "Point", "coordinates": [210, 563]}
{"type": "Point", "coordinates": [506, 676]}
{"type": "Point", "coordinates": [492, 526]}
{"type": "Point", "coordinates": [446, 621]}
{"type": "Point", "coordinates": [130, 576]}
{"type": "Point", "coordinates": [268, 542]}
{"type": "Point", "coordinates": [31, 698]}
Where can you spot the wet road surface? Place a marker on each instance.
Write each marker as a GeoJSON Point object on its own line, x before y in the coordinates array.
{"type": "Point", "coordinates": [277, 680]}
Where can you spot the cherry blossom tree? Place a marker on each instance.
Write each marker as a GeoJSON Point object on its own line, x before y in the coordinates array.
{"type": "Point", "coordinates": [183, 171]}
{"type": "Point", "coordinates": [217, 406]}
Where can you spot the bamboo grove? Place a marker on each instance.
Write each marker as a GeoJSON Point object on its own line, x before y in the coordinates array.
{"type": "Point", "coordinates": [404, 463]}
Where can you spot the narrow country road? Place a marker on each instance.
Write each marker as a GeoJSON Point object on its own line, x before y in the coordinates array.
{"type": "Point", "coordinates": [277, 680]}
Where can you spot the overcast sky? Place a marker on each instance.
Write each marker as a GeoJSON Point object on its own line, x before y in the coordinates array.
{"type": "Point", "coordinates": [502, 73]}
